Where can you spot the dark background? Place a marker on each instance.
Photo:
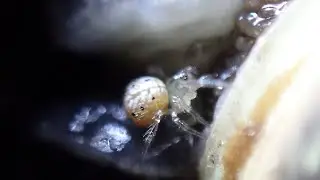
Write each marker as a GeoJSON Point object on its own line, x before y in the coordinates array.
{"type": "Point", "coordinates": [38, 73]}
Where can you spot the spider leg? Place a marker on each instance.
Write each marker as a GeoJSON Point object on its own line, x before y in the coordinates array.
{"type": "Point", "coordinates": [181, 104]}
{"type": "Point", "coordinates": [208, 81]}
{"type": "Point", "coordinates": [164, 147]}
{"type": "Point", "coordinates": [151, 133]}
{"type": "Point", "coordinates": [184, 126]}
{"type": "Point", "coordinates": [190, 139]}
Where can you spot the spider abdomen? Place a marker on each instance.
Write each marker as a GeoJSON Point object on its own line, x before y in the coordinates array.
{"type": "Point", "coordinates": [144, 98]}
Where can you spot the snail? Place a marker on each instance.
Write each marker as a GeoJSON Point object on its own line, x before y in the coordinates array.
{"type": "Point", "coordinates": [266, 126]}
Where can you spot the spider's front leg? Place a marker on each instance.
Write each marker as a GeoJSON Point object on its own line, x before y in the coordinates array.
{"type": "Point", "coordinates": [151, 132]}
{"type": "Point", "coordinates": [179, 105]}
{"type": "Point", "coordinates": [208, 81]}
{"type": "Point", "coordinates": [184, 126]}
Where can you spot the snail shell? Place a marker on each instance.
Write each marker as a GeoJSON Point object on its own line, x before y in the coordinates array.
{"type": "Point", "coordinates": [144, 98]}
{"type": "Point", "coordinates": [262, 129]}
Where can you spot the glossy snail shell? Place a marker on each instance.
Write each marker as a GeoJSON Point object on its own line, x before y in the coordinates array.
{"type": "Point", "coordinates": [143, 98]}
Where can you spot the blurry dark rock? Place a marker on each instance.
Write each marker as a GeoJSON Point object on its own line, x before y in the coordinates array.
{"type": "Point", "coordinates": [157, 32]}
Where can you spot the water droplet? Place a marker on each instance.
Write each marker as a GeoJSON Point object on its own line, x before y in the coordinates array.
{"type": "Point", "coordinates": [94, 116]}
{"type": "Point", "coordinates": [111, 138]}
{"type": "Point", "coordinates": [76, 126]}
{"type": "Point", "coordinates": [253, 25]}
{"type": "Point", "coordinates": [101, 109]}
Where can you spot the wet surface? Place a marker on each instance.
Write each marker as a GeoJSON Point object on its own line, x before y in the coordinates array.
{"type": "Point", "coordinates": [68, 116]}
{"type": "Point", "coordinates": [105, 136]}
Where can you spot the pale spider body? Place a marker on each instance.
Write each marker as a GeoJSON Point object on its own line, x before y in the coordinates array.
{"type": "Point", "coordinates": [147, 99]}
{"type": "Point", "coordinates": [144, 98]}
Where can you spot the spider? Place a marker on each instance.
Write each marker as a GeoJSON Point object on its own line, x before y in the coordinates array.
{"type": "Point", "coordinates": [147, 99]}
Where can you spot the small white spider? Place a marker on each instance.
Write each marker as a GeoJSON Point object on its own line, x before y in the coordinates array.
{"type": "Point", "coordinates": [147, 99]}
